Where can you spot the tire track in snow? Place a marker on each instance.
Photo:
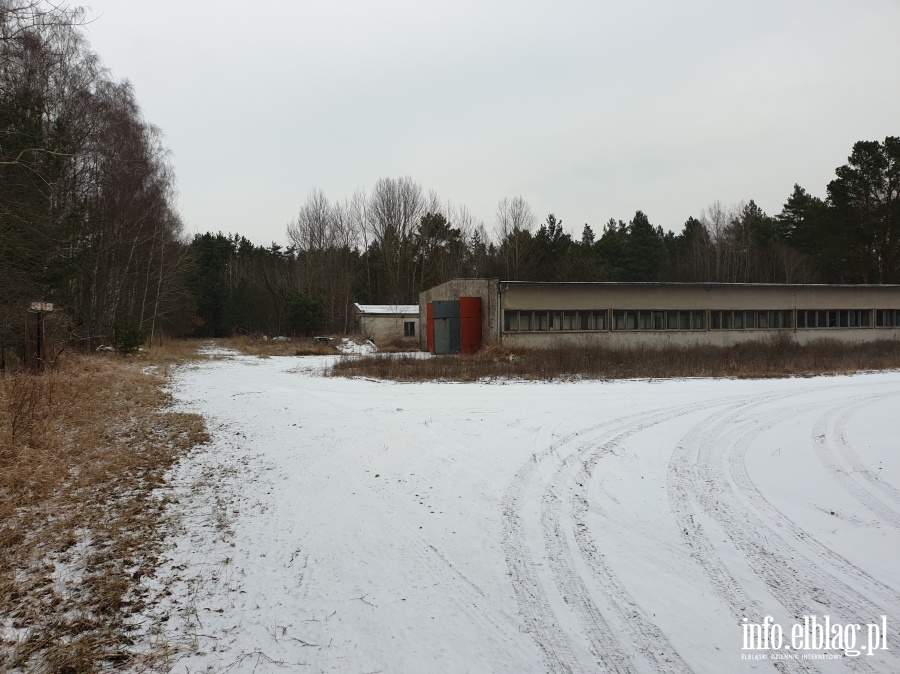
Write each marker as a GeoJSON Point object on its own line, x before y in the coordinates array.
{"type": "Point", "coordinates": [655, 647]}
{"type": "Point", "coordinates": [797, 579]}
{"type": "Point", "coordinates": [786, 530]}
{"type": "Point", "coordinates": [533, 601]}
{"type": "Point", "coordinates": [682, 488]}
{"type": "Point", "coordinates": [792, 573]}
{"type": "Point", "coordinates": [828, 437]}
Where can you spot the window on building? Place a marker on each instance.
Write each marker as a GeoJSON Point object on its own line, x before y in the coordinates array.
{"type": "Point", "coordinates": [887, 318]}
{"type": "Point", "coordinates": [409, 328]}
{"type": "Point", "coordinates": [510, 320]}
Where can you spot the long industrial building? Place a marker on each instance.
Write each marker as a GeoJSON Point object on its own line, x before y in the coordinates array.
{"type": "Point", "coordinates": [463, 315]}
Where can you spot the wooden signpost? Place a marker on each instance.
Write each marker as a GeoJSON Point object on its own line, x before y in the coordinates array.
{"type": "Point", "coordinates": [35, 343]}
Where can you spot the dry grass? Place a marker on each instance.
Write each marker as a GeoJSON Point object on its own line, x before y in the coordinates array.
{"type": "Point", "coordinates": [778, 357]}
{"type": "Point", "coordinates": [81, 448]}
{"type": "Point", "coordinates": [399, 346]}
{"type": "Point", "coordinates": [253, 345]}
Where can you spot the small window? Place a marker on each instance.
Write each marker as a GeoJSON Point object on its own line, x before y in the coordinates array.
{"type": "Point", "coordinates": [727, 320]}
{"type": "Point", "coordinates": [671, 320]}
{"type": "Point", "coordinates": [843, 318]}
{"type": "Point", "coordinates": [762, 319]}
{"type": "Point", "coordinates": [865, 318]}
{"type": "Point", "coordinates": [619, 319]}
{"type": "Point", "coordinates": [698, 320]}
{"type": "Point", "coordinates": [540, 320]}
{"type": "Point", "coordinates": [715, 320]}
{"type": "Point", "coordinates": [631, 320]}
{"type": "Point", "coordinates": [555, 320]}
{"type": "Point", "coordinates": [659, 318]}
{"type": "Point", "coordinates": [738, 320]}
{"type": "Point", "coordinates": [645, 320]}
{"type": "Point", "coordinates": [801, 318]}
{"type": "Point", "coordinates": [600, 320]}
{"type": "Point", "coordinates": [409, 328]}
{"type": "Point", "coordinates": [569, 320]}
{"type": "Point", "coordinates": [584, 320]}
{"type": "Point", "coordinates": [750, 319]}
{"type": "Point", "coordinates": [510, 320]}
{"type": "Point", "coordinates": [524, 321]}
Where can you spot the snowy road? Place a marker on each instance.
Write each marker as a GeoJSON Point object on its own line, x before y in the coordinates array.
{"type": "Point", "coordinates": [342, 525]}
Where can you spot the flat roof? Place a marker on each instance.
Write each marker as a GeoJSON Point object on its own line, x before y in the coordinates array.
{"type": "Point", "coordinates": [699, 284]}
{"type": "Point", "coordinates": [391, 309]}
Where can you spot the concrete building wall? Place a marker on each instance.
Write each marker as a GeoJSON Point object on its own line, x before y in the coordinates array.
{"type": "Point", "coordinates": [486, 289]}
{"type": "Point", "coordinates": [694, 296]}
{"type": "Point", "coordinates": [711, 337]}
{"type": "Point", "coordinates": [386, 329]}
{"type": "Point", "coordinates": [625, 314]}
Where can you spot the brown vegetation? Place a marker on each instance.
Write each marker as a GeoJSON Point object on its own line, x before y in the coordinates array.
{"type": "Point", "coordinates": [779, 357]}
{"type": "Point", "coordinates": [253, 345]}
{"type": "Point", "coordinates": [82, 446]}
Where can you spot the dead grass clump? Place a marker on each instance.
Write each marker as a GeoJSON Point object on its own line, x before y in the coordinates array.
{"type": "Point", "coordinates": [779, 356]}
{"type": "Point", "coordinates": [399, 345]}
{"type": "Point", "coordinates": [257, 345]}
{"type": "Point", "coordinates": [82, 446]}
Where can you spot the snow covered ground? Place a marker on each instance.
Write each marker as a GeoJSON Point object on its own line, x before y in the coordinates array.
{"type": "Point", "coordinates": [339, 525]}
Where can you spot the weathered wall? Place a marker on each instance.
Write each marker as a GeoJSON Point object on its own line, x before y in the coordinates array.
{"type": "Point", "coordinates": [690, 296]}
{"type": "Point", "coordinates": [630, 338]}
{"type": "Point", "coordinates": [386, 329]}
{"type": "Point", "coordinates": [498, 296]}
{"type": "Point", "coordinates": [486, 289]}
{"type": "Point", "coordinates": [736, 297]}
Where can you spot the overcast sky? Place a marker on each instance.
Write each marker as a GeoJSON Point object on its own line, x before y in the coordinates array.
{"type": "Point", "coordinates": [589, 110]}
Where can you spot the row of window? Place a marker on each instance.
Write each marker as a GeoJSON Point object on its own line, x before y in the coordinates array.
{"type": "Point", "coordinates": [657, 319]}
{"type": "Point", "coordinates": [527, 321]}
{"type": "Point", "coordinates": [752, 319]}
{"type": "Point", "coordinates": [681, 319]}
{"type": "Point", "coordinates": [834, 318]}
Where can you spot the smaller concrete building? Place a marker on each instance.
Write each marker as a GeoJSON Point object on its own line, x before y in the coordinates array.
{"type": "Point", "coordinates": [388, 323]}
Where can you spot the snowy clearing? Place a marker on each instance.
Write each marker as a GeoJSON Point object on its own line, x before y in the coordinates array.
{"type": "Point", "coordinates": [631, 526]}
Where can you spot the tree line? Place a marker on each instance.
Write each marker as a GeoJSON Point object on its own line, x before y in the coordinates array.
{"type": "Point", "coordinates": [88, 218]}
{"type": "Point", "coordinates": [390, 244]}
{"type": "Point", "coordinates": [89, 221]}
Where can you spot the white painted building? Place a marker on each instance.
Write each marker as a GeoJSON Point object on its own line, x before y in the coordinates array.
{"type": "Point", "coordinates": [388, 323]}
